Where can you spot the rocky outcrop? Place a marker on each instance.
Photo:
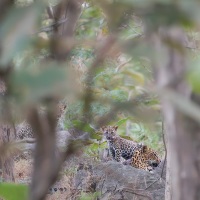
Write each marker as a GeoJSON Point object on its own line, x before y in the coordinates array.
{"type": "Point", "coordinates": [114, 181]}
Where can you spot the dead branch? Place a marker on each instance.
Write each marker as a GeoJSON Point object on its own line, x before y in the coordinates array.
{"type": "Point", "coordinates": [62, 41]}
{"type": "Point", "coordinates": [28, 140]}
{"type": "Point", "coordinates": [50, 12]}
{"type": "Point", "coordinates": [45, 155]}
{"type": "Point", "coordinates": [165, 158]}
{"type": "Point", "coordinates": [134, 192]}
{"type": "Point", "coordinates": [47, 162]}
{"type": "Point", "coordinates": [52, 26]}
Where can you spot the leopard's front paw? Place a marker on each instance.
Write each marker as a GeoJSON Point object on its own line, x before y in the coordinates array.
{"type": "Point", "coordinates": [149, 169]}
{"type": "Point", "coordinates": [127, 162]}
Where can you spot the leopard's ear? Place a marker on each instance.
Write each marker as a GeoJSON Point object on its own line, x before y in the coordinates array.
{"type": "Point", "coordinates": [115, 127]}
{"type": "Point", "coordinates": [102, 128]}
{"type": "Point", "coordinates": [144, 148]}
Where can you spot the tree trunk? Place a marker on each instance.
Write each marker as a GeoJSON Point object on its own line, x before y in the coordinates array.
{"type": "Point", "coordinates": [47, 163]}
{"type": "Point", "coordinates": [182, 131]}
{"type": "Point", "coordinates": [6, 135]}
{"type": "Point", "coordinates": [67, 12]}
{"type": "Point", "coordinates": [6, 162]}
{"type": "Point", "coordinates": [6, 130]}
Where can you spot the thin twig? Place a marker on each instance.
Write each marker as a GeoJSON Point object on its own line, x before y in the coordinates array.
{"type": "Point", "coordinates": [134, 192]}
{"type": "Point", "coordinates": [194, 48]}
{"type": "Point", "coordinates": [28, 140]}
{"type": "Point", "coordinates": [145, 182]}
{"type": "Point", "coordinates": [151, 184]}
{"type": "Point", "coordinates": [122, 65]}
{"type": "Point", "coordinates": [102, 185]}
{"type": "Point", "coordinates": [163, 135]}
{"type": "Point", "coordinates": [51, 27]}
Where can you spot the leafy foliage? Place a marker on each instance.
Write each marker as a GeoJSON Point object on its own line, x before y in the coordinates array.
{"type": "Point", "coordinates": [112, 89]}
{"type": "Point", "coordinates": [11, 191]}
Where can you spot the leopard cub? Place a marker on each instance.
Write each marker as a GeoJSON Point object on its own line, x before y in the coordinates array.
{"type": "Point", "coordinates": [119, 147]}
{"type": "Point", "coordinates": [144, 158]}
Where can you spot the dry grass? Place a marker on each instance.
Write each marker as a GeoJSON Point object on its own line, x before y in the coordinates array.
{"type": "Point", "coordinates": [57, 195]}
{"type": "Point", "coordinates": [23, 171]}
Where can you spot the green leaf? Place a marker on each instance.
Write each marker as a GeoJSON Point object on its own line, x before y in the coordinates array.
{"type": "Point", "coordinates": [122, 121]}
{"type": "Point", "coordinates": [95, 136]}
{"type": "Point", "coordinates": [11, 191]}
{"type": "Point", "coordinates": [16, 30]}
{"type": "Point", "coordinates": [193, 77]}
{"type": "Point", "coordinates": [83, 126]}
{"type": "Point", "coordinates": [34, 84]}
{"type": "Point", "coordinates": [86, 128]}
{"type": "Point", "coordinates": [118, 95]}
{"type": "Point", "coordinates": [88, 196]}
{"type": "Point", "coordinates": [138, 77]}
{"type": "Point", "coordinates": [126, 137]}
{"type": "Point", "coordinates": [94, 147]}
{"type": "Point", "coordinates": [103, 145]}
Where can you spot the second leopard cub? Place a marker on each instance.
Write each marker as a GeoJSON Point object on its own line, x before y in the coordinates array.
{"type": "Point", "coordinates": [119, 147]}
{"type": "Point", "coordinates": [144, 158]}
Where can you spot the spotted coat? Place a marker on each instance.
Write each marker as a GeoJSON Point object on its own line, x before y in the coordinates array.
{"type": "Point", "coordinates": [144, 158]}
{"type": "Point", "coordinates": [119, 147]}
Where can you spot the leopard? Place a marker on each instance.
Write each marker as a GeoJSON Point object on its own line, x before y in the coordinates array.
{"type": "Point", "coordinates": [119, 147]}
{"type": "Point", "coordinates": [24, 129]}
{"type": "Point", "coordinates": [144, 158]}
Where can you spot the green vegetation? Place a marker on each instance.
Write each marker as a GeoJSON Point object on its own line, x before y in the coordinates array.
{"type": "Point", "coordinates": [103, 70]}
{"type": "Point", "coordinates": [11, 191]}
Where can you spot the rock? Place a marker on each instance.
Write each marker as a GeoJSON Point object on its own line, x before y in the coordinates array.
{"type": "Point", "coordinates": [85, 180]}
{"type": "Point", "coordinates": [129, 183]}
{"type": "Point", "coordinates": [62, 137]}
{"type": "Point", "coordinates": [115, 181]}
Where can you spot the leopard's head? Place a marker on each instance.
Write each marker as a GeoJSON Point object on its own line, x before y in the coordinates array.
{"type": "Point", "coordinates": [109, 132]}
{"type": "Point", "coordinates": [150, 155]}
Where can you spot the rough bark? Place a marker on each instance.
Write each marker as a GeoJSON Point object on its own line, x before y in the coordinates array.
{"type": "Point", "coordinates": [6, 135]}
{"type": "Point", "coordinates": [6, 162]}
{"type": "Point", "coordinates": [47, 163]}
{"type": "Point", "coordinates": [67, 12]}
{"type": "Point", "coordinates": [182, 131]}
{"type": "Point", "coordinates": [6, 128]}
